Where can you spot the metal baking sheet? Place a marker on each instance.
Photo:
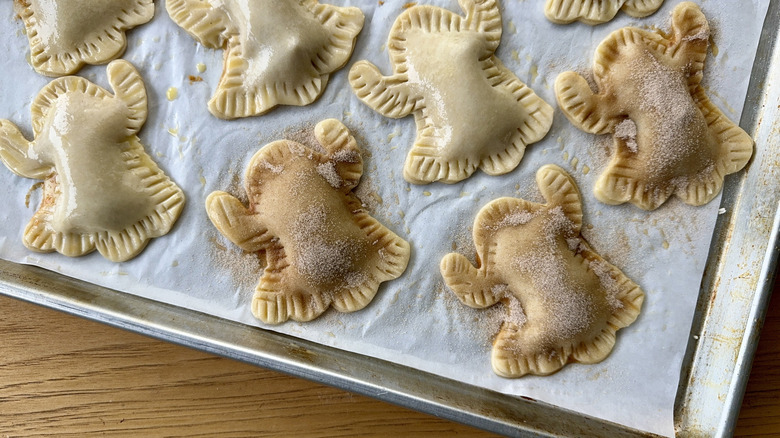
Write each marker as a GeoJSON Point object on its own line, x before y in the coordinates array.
{"type": "Point", "coordinates": [734, 294]}
{"type": "Point", "coordinates": [740, 271]}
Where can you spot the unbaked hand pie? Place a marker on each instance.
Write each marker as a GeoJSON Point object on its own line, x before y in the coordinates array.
{"type": "Point", "coordinates": [471, 111]}
{"type": "Point", "coordinates": [564, 302]}
{"type": "Point", "coordinates": [276, 52]}
{"type": "Point", "coordinates": [669, 139]}
{"type": "Point", "coordinates": [101, 191]}
{"type": "Point", "coordinates": [321, 247]}
{"type": "Point", "coordinates": [597, 11]}
{"type": "Point", "coordinates": [66, 34]}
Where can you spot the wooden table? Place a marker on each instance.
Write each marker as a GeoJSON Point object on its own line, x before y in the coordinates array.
{"type": "Point", "coordinates": [64, 375]}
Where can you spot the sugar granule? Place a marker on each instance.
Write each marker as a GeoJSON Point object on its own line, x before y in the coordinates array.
{"type": "Point", "coordinates": [316, 256]}
{"type": "Point", "coordinates": [328, 171]}
{"type": "Point", "coordinates": [609, 283]}
{"type": "Point", "coordinates": [346, 156]}
{"type": "Point", "coordinates": [513, 219]}
{"type": "Point", "coordinates": [626, 130]}
{"type": "Point", "coordinates": [571, 306]}
{"type": "Point", "coordinates": [296, 148]}
{"type": "Point", "coordinates": [664, 94]}
{"type": "Point", "coordinates": [274, 168]}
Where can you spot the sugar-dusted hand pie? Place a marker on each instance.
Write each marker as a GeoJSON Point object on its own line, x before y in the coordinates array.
{"type": "Point", "coordinates": [597, 11]}
{"type": "Point", "coordinates": [66, 34]}
{"type": "Point", "coordinates": [321, 247]}
{"type": "Point", "coordinates": [471, 111]}
{"type": "Point", "coordinates": [564, 302]}
{"type": "Point", "coordinates": [101, 189]}
{"type": "Point", "coordinates": [276, 52]}
{"type": "Point", "coordinates": [669, 138]}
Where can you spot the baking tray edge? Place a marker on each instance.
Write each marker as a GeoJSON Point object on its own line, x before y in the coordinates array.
{"type": "Point", "coordinates": [734, 295]}
{"type": "Point", "coordinates": [421, 391]}
{"type": "Point", "coordinates": [739, 278]}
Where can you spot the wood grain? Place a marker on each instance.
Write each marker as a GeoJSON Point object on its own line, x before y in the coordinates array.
{"type": "Point", "coordinates": [760, 413]}
{"type": "Point", "coordinates": [65, 376]}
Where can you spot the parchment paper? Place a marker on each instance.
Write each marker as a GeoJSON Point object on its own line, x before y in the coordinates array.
{"type": "Point", "coordinates": [414, 320]}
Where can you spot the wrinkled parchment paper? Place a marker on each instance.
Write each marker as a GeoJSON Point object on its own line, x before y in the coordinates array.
{"type": "Point", "coordinates": [414, 320]}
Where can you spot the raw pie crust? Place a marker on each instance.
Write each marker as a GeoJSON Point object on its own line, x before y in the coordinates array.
{"type": "Point", "coordinates": [101, 188]}
{"type": "Point", "coordinates": [669, 138]}
{"type": "Point", "coordinates": [564, 301]}
{"type": "Point", "coordinates": [321, 248]}
{"type": "Point", "coordinates": [597, 11]}
{"type": "Point", "coordinates": [276, 52]}
{"type": "Point", "coordinates": [471, 111]}
{"type": "Point", "coordinates": [66, 34]}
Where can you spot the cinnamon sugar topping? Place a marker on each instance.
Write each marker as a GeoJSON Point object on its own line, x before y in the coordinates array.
{"type": "Point", "coordinates": [565, 301]}
{"type": "Point", "coordinates": [651, 100]}
{"type": "Point", "coordinates": [321, 248]}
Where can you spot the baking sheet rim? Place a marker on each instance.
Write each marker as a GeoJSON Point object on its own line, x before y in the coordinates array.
{"type": "Point", "coordinates": [39, 286]}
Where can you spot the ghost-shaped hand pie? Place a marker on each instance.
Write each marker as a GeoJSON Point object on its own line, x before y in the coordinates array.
{"type": "Point", "coordinates": [276, 52]}
{"type": "Point", "coordinates": [101, 189]}
{"type": "Point", "coordinates": [66, 34]}
{"type": "Point", "coordinates": [669, 138]}
{"type": "Point", "coordinates": [565, 302]}
{"type": "Point", "coordinates": [471, 111]}
{"type": "Point", "coordinates": [597, 11]}
{"type": "Point", "coordinates": [321, 247]}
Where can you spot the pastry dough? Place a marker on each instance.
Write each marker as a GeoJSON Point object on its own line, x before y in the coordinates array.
{"type": "Point", "coordinates": [669, 138]}
{"type": "Point", "coordinates": [321, 247]}
{"type": "Point", "coordinates": [276, 52]}
{"type": "Point", "coordinates": [565, 302]}
{"type": "Point", "coordinates": [471, 111]}
{"type": "Point", "coordinates": [101, 188]}
{"type": "Point", "coordinates": [597, 11]}
{"type": "Point", "coordinates": [66, 34]}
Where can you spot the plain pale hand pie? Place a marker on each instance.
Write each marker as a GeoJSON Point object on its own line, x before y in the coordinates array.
{"type": "Point", "coordinates": [276, 52]}
{"type": "Point", "coordinates": [66, 34]}
{"type": "Point", "coordinates": [471, 111]}
{"type": "Point", "coordinates": [597, 11]}
{"type": "Point", "coordinates": [102, 191]}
